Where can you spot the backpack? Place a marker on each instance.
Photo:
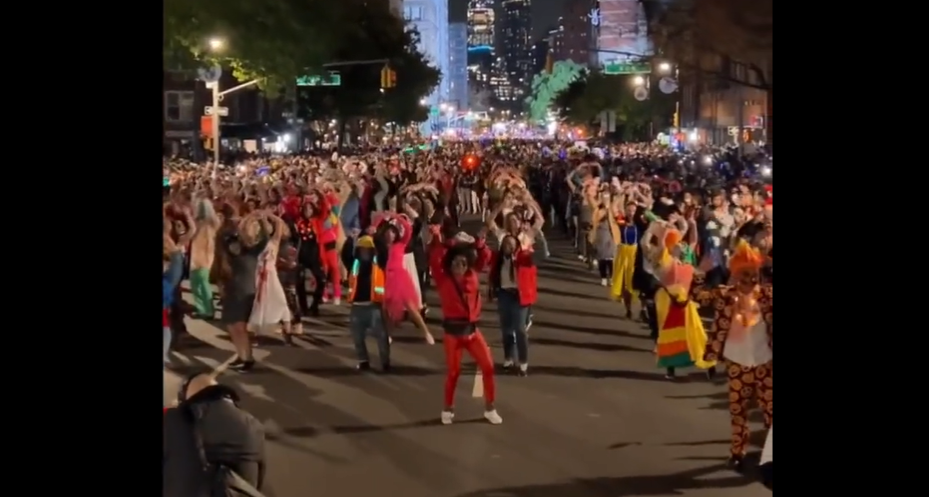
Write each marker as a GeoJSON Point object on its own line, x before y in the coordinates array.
{"type": "Point", "coordinates": [221, 480]}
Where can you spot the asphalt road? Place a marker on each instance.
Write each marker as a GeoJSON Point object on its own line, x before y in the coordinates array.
{"type": "Point", "coordinates": [594, 418]}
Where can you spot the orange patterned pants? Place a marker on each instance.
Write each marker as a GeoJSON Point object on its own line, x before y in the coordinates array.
{"type": "Point", "coordinates": [747, 383]}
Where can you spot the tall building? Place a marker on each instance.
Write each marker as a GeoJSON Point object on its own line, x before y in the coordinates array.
{"type": "Point", "coordinates": [622, 30]}
{"type": "Point", "coordinates": [515, 46]}
{"type": "Point", "coordinates": [458, 65]}
{"type": "Point", "coordinates": [540, 52]}
{"type": "Point", "coordinates": [556, 41]}
{"type": "Point", "coordinates": [431, 20]}
{"type": "Point", "coordinates": [480, 45]}
{"type": "Point", "coordinates": [580, 19]}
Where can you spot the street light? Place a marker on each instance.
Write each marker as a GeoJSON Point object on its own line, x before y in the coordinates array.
{"type": "Point", "coordinates": [217, 44]}
{"type": "Point", "coordinates": [664, 67]}
{"type": "Point", "coordinates": [422, 101]}
{"type": "Point", "coordinates": [638, 81]}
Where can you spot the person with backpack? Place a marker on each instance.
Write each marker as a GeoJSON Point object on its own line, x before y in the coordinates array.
{"type": "Point", "coordinates": [211, 446]}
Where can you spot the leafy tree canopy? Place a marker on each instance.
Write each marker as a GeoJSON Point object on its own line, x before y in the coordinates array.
{"type": "Point", "coordinates": [694, 32]}
{"type": "Point", "coordinates": [545, 86]}
{"type": "Point", "coordinates": [273, 39]}
{"type": "Point", "coordinates": [376, 33]}
{"type": "Point", "coordinates": [584, 99]}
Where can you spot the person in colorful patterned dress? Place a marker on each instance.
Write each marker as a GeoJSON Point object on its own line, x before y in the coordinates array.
{"type": "Point", "coordinates": [681, 338]}
{"type": "Point", "coordinates": [743, 337]}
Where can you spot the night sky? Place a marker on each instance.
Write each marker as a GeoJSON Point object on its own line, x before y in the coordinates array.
{"type": "Point", "coordinates": [545, 14]}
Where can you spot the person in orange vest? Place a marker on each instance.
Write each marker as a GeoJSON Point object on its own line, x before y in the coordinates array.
{"type": "Point", "coordinates": [366, 293]}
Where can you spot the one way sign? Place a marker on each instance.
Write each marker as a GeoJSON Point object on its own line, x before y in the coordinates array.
{"type": "Point", "coordinates": [220, 111]}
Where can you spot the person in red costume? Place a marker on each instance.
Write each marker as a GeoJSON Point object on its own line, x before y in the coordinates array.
{"type": "Point", "coordinates": [328, 252]}
{"type": "Point", "coordinates": [455, 268]}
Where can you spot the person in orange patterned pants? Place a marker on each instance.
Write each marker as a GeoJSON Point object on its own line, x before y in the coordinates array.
{"type": "Point", "coordinates": [742, 336]}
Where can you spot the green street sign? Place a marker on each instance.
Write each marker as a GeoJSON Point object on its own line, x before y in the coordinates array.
{"type": "Point", "coordinates": [433, 111]}
{"type": "Point", "coordinates": [627, 68]}
{"type": "Point", "coordinates": [332, 78]}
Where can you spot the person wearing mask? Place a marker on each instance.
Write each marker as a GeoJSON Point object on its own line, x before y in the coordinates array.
{"type": "Point", "coordinates": [514, 283]}
{"type": "Point", "coordinates": [242, 245]}
{"type": "Point", "coordinates": [202, 250]}
{"type": "Point", "coordinates": [366, 293]}
{"type": "Point", "coordinates": [207, 432]}
{"type": "Point", "coordinates": [455, 272]}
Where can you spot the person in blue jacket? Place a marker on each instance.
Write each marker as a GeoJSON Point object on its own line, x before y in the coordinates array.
{"type": "Point", "coordinates": [173, 270]}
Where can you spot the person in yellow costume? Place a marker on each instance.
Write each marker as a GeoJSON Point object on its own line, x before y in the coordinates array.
{"type": "Point", "coordinates": [681, 337]}
{"type": "Point", "coordinates": [743, 335]}
{"type": "Point", "coordinates": [624, 261]}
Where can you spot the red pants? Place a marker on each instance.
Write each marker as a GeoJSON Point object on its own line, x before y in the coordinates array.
{"type": "Point", "coordinates": [477, 348]}
{"type": "Point", "coordinates": [330, 266]}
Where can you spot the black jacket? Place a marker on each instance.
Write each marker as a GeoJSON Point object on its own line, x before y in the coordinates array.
{"type": "Point", "coordinates": [231, 437]}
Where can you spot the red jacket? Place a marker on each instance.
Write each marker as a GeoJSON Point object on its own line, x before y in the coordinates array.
{"type": "Point", "coordinates": [527, 276]}
{"type": "Point", "coordinates": [453, 306]}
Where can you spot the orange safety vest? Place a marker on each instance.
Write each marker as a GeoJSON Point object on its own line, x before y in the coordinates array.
{"type": "Point", "coordinates": [377, 282]}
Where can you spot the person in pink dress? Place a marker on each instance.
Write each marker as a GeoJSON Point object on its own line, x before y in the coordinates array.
{"type": "Point", "coordinates": [399, 293]}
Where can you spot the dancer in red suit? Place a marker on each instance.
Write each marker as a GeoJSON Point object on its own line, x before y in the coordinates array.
{"type": "Point", "coordinates": [455, 268]}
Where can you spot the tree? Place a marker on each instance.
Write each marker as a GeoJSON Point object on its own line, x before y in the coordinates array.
{"type": "Point", "coordinates": [374, 33]}
{"type": "Point", "coordinates": [545, 86]}
{"type": "Point", "coordinates": [699, 34]}
{"type": "Point", "coordinates": [584, 99]}
{"type": "Point", "coordinates": [275, 40]}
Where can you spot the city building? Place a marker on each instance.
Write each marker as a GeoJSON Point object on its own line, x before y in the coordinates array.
{"type": "Point", "coordinates": [622, 30]}
{"type": "Point", "coordinates": [713, 109]}
{"type": "Point", "coordinates": [515, 45]}
{"type": "Point", "coordinates": [555, 39]}
{"type": "Point", "coordinates": [458, 65]}
{"type": "Point", "coordinates": [580, 20]}
{"type": "Point", "coordinates": [540, 55]}
{"type": "Point", "coordinates": [481, 56]}
{"type": "Point", "coordinates": [504, 95]}
{"type": "Point", "coordinates": [430, 17]}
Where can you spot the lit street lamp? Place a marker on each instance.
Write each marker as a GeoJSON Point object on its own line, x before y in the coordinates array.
{"type": "Point", "coordinates": [664, 67]}
{"type": "Point", "coordinates": [217, 44]}
{"type": "Point", "coordinates": [638, 81]}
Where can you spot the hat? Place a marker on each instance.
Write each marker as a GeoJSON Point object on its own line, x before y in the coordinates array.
{"type": "Point", "coordinates": [464, 237]}
{"type": "Point", "coordinates": [745, 258]}
{"type": "Point", "coordinates": [365, 242]}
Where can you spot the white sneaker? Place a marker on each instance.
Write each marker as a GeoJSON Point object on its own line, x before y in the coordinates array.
{"type": "Point", "coordinates": [448, 417]}
{"type": "Point", "coordinates": [493, 417]}
{"type": "Point", "coordinates": [603, 281]}
{"type": "Point", "coordinates": [337, 301]}
{"type": "Point", "coordinates": [507, 364]}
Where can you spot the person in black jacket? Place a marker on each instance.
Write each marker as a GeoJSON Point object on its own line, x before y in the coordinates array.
{"type": "Point", "coordinates": [231, 437]}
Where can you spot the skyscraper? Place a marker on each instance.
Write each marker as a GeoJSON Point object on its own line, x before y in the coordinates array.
{"type": "Point", "coordinates": [581, 19]}
{"type": "Point", "coordinates": [431, 20]}
{"type": "Point", "coordinates": [515, 46]}
{"type": "Point", "coordinates": [458, 65]}
{"type": "Point", "coordinates": [480, 45]}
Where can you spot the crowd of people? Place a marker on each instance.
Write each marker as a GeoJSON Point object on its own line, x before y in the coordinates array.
{"type": "Point", "coordinates": [677, 237]}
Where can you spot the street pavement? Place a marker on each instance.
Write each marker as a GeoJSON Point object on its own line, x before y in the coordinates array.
{"type": "Point", "coordinates": [594, 418]}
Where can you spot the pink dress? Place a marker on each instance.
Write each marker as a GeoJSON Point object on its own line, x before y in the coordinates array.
{"type": "Point", "coordinates": [399, 291]}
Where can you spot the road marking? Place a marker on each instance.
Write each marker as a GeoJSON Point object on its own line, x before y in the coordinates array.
{"type": "Point", "coordinates": [477, 390]}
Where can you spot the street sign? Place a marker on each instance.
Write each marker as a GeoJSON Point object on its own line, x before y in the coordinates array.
{"type": "Point", "coordinates": [627, 68]}
{"type": "Point", "coordinates": [210, 74]}
{"type": "Point", "coordinates": [331, 78]}
{"type": "Point", "coordinates": [434, 111]}
{"type": "Point", "coordinates": [220, 111]}
{"type": "Point", "coordinates": [640, 93]}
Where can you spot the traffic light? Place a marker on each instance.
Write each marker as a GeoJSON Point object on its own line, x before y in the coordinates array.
{"type": "Point", "coordinates": [388, 78]}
